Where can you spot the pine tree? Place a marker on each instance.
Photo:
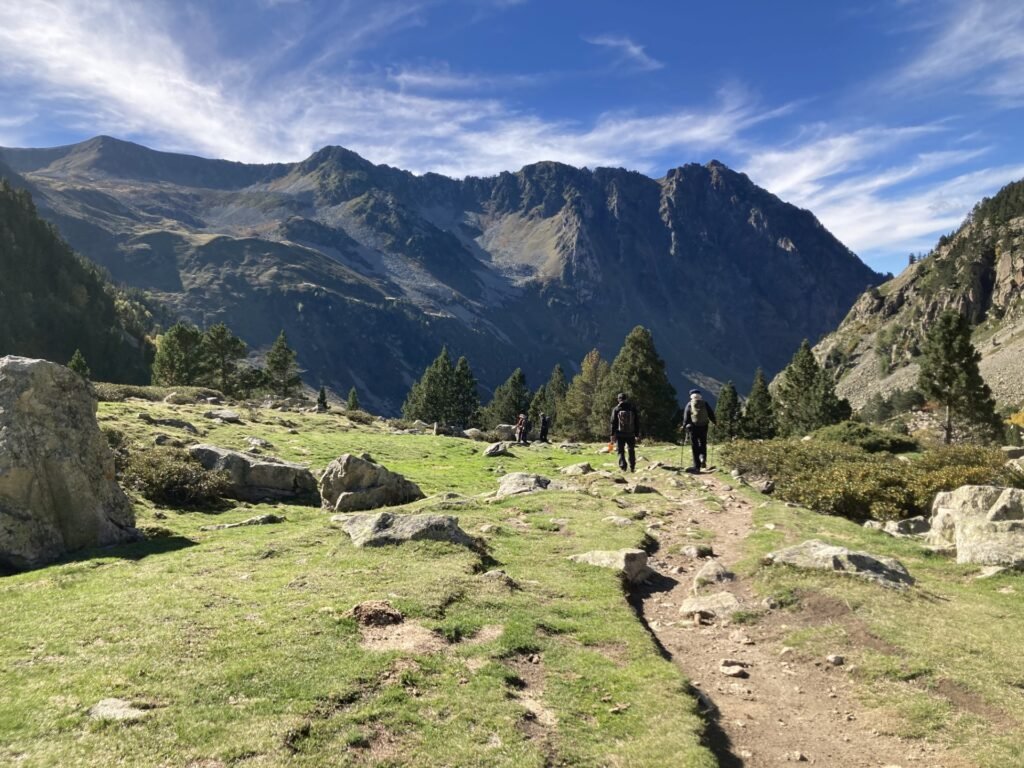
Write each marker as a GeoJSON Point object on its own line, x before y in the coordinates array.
{"type": "Point", "coordinates": [353, 400]}
{"type": "Point", "coordinates": [549, 398]}
{"type": "Point", "coordinates": [729, 414]}
{"type": "Point", "coordinates": [950, 375]}
{"type": "Point", "coordinates": [178, 360]}
{"type": "Point", "coordinates": [806, 396]}
{"type": "Point", "coordinates": [430, 398]}
{"type": "Point", "coordinates": [78, 365]}
{"type": "Point", "coordinates": [321, 399]}
{"type": "Point", "coordinates": [282, 369]}
{"type": "Point", "coordinates": [639, 371]}
{"type": "Point", "coordinates": [221, 351]}
{"type": "Point", "coordinates": [510, 399]}
{"type": "Point", "coordinates": [574, 416]}
{"type": "Point", "coordinates": [759, 414]}
{"type": "Point", "coordinates": [464, 409]}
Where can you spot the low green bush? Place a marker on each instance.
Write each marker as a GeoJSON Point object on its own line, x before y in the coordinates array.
{"type": "Point", "coordinates": [170, 476]}
{"type": "Point", "coordinates": [844, 480]}
{"type": "Point", "coordinates": [871, 439]}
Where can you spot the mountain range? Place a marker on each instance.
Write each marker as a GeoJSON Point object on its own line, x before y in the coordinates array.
{"type": "Point", "coordinates": [369, 269]}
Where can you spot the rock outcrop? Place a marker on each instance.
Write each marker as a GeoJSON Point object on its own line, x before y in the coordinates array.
{"type": "Point", "coordinates": [353, 483]}
{"type": "Point", "coordinates": [521, 482]}
{"type": "Point", "coordinates": [984, 523]}
{"type": "Point", "coordinates": [260, 478]}
{"type": "Point", "coordinates": [386, 528]}
{"type": "Point", "coordinates": [817, 555]}
{"type": "Point", "coordinates": [58, 493]}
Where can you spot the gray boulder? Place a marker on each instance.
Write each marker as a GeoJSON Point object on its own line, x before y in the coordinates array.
{"type": "Point", "coordinates": [817, 555]}
{"type": "Point", "coordinates": [258, 478]}
{"type": "Point", "coordinates": [228, 417]}
{"type": "Point", "coordinates": [506, 432]}
{"type": "Point", "coordinates": [712, 572]}
{"type": "Point", "coordinates": [987, 524]}
{"type": "Point", "coordinates": [474, 434]}
{"type": "Point", "coordinates": [631, 564]}
{"type": "Point", "coordinates": [385, 528]}
{"type": "Point", "coordinates": [718, 606]}
{"type": "Point", "coordinates": [521, 482]}
{"type": "Point", "coordinates": [57, 488]}
{"type": "Point", "coordinates": [583, 468]}
{"type": "Point", "coordinates": [949, 508]}
{"type": "Point", "coordinates": [353, 483]}
{"type": "Point", "coordinates": [496, 449]}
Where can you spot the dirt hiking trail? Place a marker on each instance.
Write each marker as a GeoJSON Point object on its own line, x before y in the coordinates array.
{"type": "Point", "coordinates": [768, 705]}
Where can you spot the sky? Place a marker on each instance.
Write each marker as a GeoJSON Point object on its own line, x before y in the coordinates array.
{"type": "Point", "coordinates": [889, 119]}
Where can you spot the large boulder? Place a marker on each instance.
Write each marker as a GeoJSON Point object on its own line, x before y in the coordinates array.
{"type": "Point", "coordinates": [384, 528]}
{"type": "Point", "coordinates": [353, 483]}
{"type": "Point", "coordinates": [817, 555]}
{"type": "Point", "coordinates": [506, 432]}
{"type": "Point", "coordinates": [949, 508]}
{"type": "Point", "coordinates": [57, 488]}
{"type": "Point", "coordinates": [985, 524]}
{"type": "Point", "coordinates": [259, 478]}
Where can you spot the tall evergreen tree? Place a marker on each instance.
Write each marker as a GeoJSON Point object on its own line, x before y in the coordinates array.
{"type": "Point", "coordinates": [465, 403]}
{"type": "Point", "coordinates": [950, 375]}
{"type": "Point", "coordinates": [806, 396]}
{"type": "Point", "coordinates": [321, 399]}
{"type": "Point", "coordinates": [549, 398]}
{"type": "Point", "coordinates": [221, 351]}
{"type": "Point", "coordinates": [430, 398]}
{"type": "Point", "coordinates": [639, 371]}
{"type": "Point", "coordinates": [510, 399]}
{"type": "Point", "coordinates": [574, 416]}
{"type": "Point", "coordinates": [282, 370]}
{"type": "Point", "coordinates": [759, 414]}
{"type": "Point", "coordinates": [78, 365]}
{"type": "Point", "coordinates": [353, 400]}
{"type": "Point", "coordinates": [178, 360]}
{"type": "Point", "coordinates": [729, 414]}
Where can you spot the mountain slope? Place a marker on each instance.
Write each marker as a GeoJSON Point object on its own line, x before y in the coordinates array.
{"type": "Point", "coordinates": [52, 302]}
{"type": "Point", "coordinates": [978, 271]}
{"type": "Point", "coordinates": [369, 269]}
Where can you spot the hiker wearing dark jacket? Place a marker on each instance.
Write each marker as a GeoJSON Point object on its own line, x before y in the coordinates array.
{"type": "Point", "coordinates": [696, 417]}
{"type": "Point", "coordinates": [625, 429]}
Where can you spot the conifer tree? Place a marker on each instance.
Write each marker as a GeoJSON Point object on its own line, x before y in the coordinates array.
{"type": "Point", "coordinates": [282, 370]}
{"type": "Point", "coordinates": [78, 365]}
{"type": "Point", "coordinates": [759, 414]}
{"type": "Point", "coordinates": [221, 351]}
{"type": "Point", "coordinates": [178, 361]}
{"type": "Point", "coordinates": [510, 399]}
{"type": "Point", "coordinates": [321, 399]}
{"type": "Point", "coordinates": [806, 396]}
{"type": "Point", "coordinates": [729, 414]}
{"type": "Point", "coordinates": [430, 398]}
{"type": "Point", "coordinates": [549, 397]}
{"type": "Point", "coordinates": [465, 404]}
{"type": "Point", "coordinates": [574, 416]}
{"type": "Point", "coordinates": [639, 371]}
{"type": "Point", "coordinates": [950, 375]}
{"type": "Point", "coordinates": [353, 400]}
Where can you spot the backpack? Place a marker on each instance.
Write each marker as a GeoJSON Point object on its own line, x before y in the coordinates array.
{"type": "Point", "coordinates": [626, 421]}
{"type": "Point", "coordinates": [699, 412]}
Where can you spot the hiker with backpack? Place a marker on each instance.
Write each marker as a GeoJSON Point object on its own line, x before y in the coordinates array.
{"type": "Point", "coordinates": [625, 429]}
{"type": "Point", "coordinates": [697, 416]}
{"type": "Point", "coordinates": [520, 429]}
{"type": "Point", "coordinates": [545, 425]}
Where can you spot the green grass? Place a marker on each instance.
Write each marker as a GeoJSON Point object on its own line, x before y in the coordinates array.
{"type": "Point", "coordinates": [239, 641]}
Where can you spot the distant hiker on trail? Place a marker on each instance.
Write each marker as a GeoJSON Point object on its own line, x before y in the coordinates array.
{"type": "Point", "coordinates": [625, 430]}
{"type": "Point", "coordinates": [520, 430]}
{"type": "Point", "coordinates": [545, 424]}
{"type": "Point", "coordinates": [696, 417]}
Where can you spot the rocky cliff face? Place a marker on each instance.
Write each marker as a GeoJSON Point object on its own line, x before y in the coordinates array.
{"type": "Point", "coordinates": [978, 271]}
{"type": "Point", "coordinates": [369, 269]}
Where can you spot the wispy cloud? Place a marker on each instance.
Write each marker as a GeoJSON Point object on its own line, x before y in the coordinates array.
{"type": "Point", "coordinates": [628, 53]}
{"type": "Point", "coordinates": [980, 47]}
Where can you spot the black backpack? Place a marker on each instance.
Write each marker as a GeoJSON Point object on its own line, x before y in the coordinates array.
{"type": "Point", "coordinates": [626, 421]}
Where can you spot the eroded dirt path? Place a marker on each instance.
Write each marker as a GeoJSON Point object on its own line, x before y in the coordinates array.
{"type": "Point", "coordinates": [787, 707]}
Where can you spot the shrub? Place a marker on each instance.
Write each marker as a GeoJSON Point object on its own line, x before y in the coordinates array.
{"type": "Point", "coordinates": [839, 479]}
{"type": "Point", "coordinates": [116, 393]}
{"type": "Point", "coordinates": [172, 477]}
{"type": "Point", "coordinates": [870, 439]}
{"type": "Point", "coordinates": [118, 444]}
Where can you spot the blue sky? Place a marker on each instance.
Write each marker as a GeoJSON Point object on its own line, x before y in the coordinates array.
{"type": "Point", "coordinates": [887, 118]}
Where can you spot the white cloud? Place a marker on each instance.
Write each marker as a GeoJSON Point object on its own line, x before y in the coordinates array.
{"type": "Point", "coordinates": [980, 46]}
{"type": "Point", "coordinates": [629, 53]}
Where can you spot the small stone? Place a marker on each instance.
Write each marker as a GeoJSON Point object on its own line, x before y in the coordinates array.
{"type": "Point", "coordinates": [732, 670]}
{"type": "Point", "coordinates": [796, 757]}
{"type": "Point", "coordinates": [769, 603]}
{"type": "Point", "coordinates": [835, 660]}
{"type": "Point", "coordinates": [787, 651]}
